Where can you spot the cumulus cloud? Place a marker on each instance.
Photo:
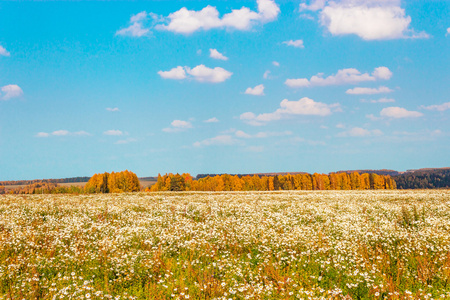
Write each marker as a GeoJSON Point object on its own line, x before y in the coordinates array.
{"type": "Point", "coordinates": [204, 74]}
{"type": "Point", "coordinates": [256, 91]}
{"type": "Point", "coordinates": [296, 43]}
{"type": "Point", "coordinates": [10, 91]}
{"type": "Point", "coordinates": [178, 125]}
{"type": "Point", "coordinates": [136, 27]}
{"type": "Point", "coordinates": [360, 132]}
{"type": "Point", "coordinates": [276, 64]}
{"type": "Point", "coordinates": [175, 73]}
{"type": "Point", "coordinates": [112, 109]}
{"type": "Point", "coordinates": [199, 73]}
{"type": "Point", "coordinates": [381, 100]}
{"type": "Point", "coordinates": [448, 32]}
{"type": "Point", "coordinates": [266, 74]}
{"type": "Point", "coordinates": [304, 106]}
{"type": "Point", "coordinates": [212, 120]}
{"type": "Point", "coordinates": [344, 76]}
{"type": "Point", "coordinates": [220, 140]}
{"type": "Point", "coordinates": [399, 112]}
{"type": "Point", "coordinates": [113, 132]}
{"type": "Point", "coordinates": [3, 51]}
{"type": "Point", "coordinates": [186, 21]}
{"type": "Point", "coordinates": [438, 107]}
{"type": "Point", "coordinates": [369, 91]}
{"type": "Point", "coordinates": [368, 19]}
{"type": "Point", "coordinates": [213, 53]}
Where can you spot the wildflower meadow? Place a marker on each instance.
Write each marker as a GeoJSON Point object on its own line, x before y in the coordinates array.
{"type": "Point", "coordinates": [387, 244]}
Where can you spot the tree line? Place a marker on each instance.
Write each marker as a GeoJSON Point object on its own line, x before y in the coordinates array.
{"type": "Point", "coordinates": [43, 188]}
{"type": "Point", "coordinates": [226, 182]}
{"type": "Point", "coordinates": [424, 179]}
{"type": "Point", "coordinates": [29, 182]}
{"type": "Point", "coordinates": [118, 182]}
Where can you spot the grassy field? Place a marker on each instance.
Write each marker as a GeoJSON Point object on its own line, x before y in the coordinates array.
{"type": "Point", "coordinates": [242, 245]}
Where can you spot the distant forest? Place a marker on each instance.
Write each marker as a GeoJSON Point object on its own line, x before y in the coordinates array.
{"type": "Point", "coordinates": [61, 180]}
{"type": "Point", "coordinates": [126, 181]}
{"type": "Point", "coordinates": [424, 179]}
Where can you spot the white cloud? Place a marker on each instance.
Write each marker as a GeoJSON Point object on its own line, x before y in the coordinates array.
{"type": "Point", "coordinates": [399, 112]}
{"type": "Point", "coordinates": [212, 120]}
{"type": "Point", "coordinates": [304, 106]}
{"type": "Point", "coordinates": [262, 134]}
{"type": "Point", "coordinates": [268, 10]}
{"type": "Point", "coordinates": [205, 74]}
{"type": "Point", "coordinates": [276, 64]}
{"type": "Point", "coordinates": [372, 117]}
{"type": "Point", "coordinates": [213, 53]}
{"type": "Point", "coordinates": [126, 141]}
{"type": "Point", "coordinates": [368, 19]}
{"type": "Point", "coordinates": [81, 133]}
{"type": "Point", "coordinates": [42, 135]}
{"type": "Point", "coordinates": [11, 91]}
{"type": "Point", "coordinates": [200, 73]}
{"type": "Point", "coordinates": [296, 43]}
{"type": "Point", "coordinates": [340, 125]}
{"type": "Point", "coordinates": [438, 107]}
{"type": "Point", "coordinates": [256, 91]}
{"type": "Point", "coordinates": [382, 73]}
{"type": "Point", "coordinates": [112, 109]}
{"type": "Point", "coordinates": [381, 100]}
{"type": "Point", "coordinates": [60, 132]}
{"type": "Point", "coordinates": [360, 132]}
{"type": "Point", "coordinates": [344, 76]}
{"type": "Point", "coordinates": [242, 134]}
{"type": "Point", "coordinates": [181, 124]}
{"type": "Point", "coordinates": [448, 32]}
{"type": "Point", "coordinates": [113, 132]}
{"type": "Point", "coordinates": [186, 21]}
{"type": "Point", "coordinates": [136, 28]}
{"type": "Point", "coordinates": [369, 91]}
{"type": "Point", "coordinates": [314, 6]}
{"type": "Point", "coordinates": [266, 74]}
{"type": "Point", "coordinates": [175, 73]}
{"type": "Point", "coordinates": [217, 141]}
{"type": "Point", "coordinates": [300, 82]}
{"type": "Point", "coordinates": [3, 51]}
{"type": "Point", "coordinates": [178, 125]}
{"type": "Point", "coordinates": [138, 17]}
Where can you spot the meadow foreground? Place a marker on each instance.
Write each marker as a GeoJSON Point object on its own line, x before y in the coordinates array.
{"type": "Point", "coordinates": [231, 245]}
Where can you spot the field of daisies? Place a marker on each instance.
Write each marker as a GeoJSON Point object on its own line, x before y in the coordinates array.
{"type": "Point", "coordinates": [231, 245]}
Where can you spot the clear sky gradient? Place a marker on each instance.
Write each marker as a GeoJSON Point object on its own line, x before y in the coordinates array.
{"type": "Point", "coordinates": [222, 86]}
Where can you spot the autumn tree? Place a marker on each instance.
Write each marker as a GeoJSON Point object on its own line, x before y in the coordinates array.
{"type": "Point", "coordinates": [120, 182]}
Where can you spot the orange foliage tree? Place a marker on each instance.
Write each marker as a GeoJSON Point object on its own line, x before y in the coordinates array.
{"type": "Point", "coordinates": [316, 181]}
{"type": "Point", "coordinates": [119, 182]}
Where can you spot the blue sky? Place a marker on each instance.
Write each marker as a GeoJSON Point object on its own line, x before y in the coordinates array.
{"type": "Point", "coordinates": [222, 86]}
